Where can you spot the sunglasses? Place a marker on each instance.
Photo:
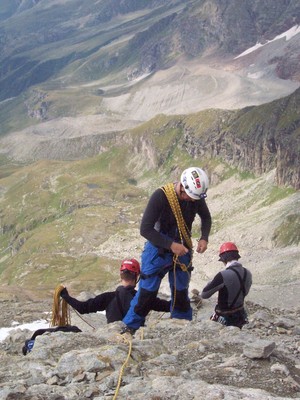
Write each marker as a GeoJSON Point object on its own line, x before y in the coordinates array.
{"type": "Point", "coordinates": [201, 196]}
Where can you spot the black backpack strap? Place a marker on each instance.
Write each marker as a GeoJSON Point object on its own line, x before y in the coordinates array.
{"type": "Point", "coordinates": [242, 285]}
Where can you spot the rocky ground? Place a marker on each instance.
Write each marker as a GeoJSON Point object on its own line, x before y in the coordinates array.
{"type": "Point", "coordinates": [169, 359]}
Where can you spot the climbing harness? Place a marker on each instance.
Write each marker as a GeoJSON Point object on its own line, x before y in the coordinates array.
{"type": "Point", "coordinates": [218, 318]}
{"type": "Point", "coordinates": [30, 342]}
{"type": "Point", "coordinates": [229, 312]}
{"type": "Point", "coordinates": [242, 285]}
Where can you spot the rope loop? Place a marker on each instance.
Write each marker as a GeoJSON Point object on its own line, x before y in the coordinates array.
{"type": "Point", "coordinates": [60, 310]}
{"type": "Point", "coordinates": [184, 232]}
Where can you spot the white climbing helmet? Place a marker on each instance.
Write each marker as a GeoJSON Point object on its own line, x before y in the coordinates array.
{"type": "Point", "coordinates": [195, 182]}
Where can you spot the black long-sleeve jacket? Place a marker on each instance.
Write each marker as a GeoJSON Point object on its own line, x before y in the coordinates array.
{"type": "Point", "coordinates": [158, 219]}
{"type": "Point", "coordinates": [116, 304]}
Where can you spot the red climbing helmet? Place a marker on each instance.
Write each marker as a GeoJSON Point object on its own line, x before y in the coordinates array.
{"type": "Point", "coordinates": [227, 246]}
{"type": "Point", "coordinates": [131, 265]}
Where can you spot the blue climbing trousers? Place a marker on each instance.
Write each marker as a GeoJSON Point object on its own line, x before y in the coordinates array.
{"type": "Point", "coordinates": [154, 267]}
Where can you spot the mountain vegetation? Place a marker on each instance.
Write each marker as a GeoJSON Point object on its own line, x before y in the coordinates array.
{"type": "Point", "coordinates": [71, 220]}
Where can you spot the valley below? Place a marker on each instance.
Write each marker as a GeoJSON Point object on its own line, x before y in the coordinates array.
{"type": "Point", "coordinates": [185, 88]}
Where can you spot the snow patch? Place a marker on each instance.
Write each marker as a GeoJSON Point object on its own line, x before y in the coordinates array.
{"type": "Point", "coordinates": [32, 326]}
{"type": "Point", "coordinates": [287, 35]}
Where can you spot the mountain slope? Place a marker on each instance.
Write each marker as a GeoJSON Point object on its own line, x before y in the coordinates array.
{"type": "Point", "coordinates": [73, 221]}
{"type": "Point", "coordinates": [256, 139]}
{"type": "Point", "coordinates": [136, 59]}
{"type": "Point", "coordinates": [76, 77]}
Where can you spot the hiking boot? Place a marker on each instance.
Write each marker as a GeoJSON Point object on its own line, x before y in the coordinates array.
{"type": "Point", "coordinates": [126, 329]}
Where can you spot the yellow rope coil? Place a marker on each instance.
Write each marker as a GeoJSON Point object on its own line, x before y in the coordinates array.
{"type": "Point", "coordinates": [60, 309]}
{"type": "Point", "coordinates": [184, 232]}
{"type": "Point", "coordinates": [171, 195]}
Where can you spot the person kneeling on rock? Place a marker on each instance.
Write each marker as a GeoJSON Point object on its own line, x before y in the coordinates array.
{"type": "Point", "coordinates": [117, 302]}
{"type": "Point", "coordinates": [233, 285]}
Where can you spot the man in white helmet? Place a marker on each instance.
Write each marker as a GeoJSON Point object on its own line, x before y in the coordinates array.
{"type": "Point", "coordinates": [167, 226]}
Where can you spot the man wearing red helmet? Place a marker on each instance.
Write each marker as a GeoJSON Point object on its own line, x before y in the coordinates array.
{"type": "Point", "coordinates": [233, 285]}
{"type": "Point", "coordinates": [116, 304]}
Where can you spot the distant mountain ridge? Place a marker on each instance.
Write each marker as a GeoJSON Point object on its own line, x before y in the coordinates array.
{"type": "Point", "coordinates": [74, 41]}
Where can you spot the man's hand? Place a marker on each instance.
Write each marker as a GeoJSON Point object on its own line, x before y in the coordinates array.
{"type": "Point", "coordinates": [201, 246]}
{"type": "Point", "coordinates": [64, 293]}
{"type": "Point", "coordinates": [179, 249]}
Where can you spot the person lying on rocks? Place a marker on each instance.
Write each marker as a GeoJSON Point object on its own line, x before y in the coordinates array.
{"type": "Point", "coordinates": [116, 303]}
{"type": "Point", "coordinates": [233, 285]}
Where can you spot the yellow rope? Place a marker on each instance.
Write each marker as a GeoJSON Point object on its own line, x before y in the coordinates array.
{"type": "Point", "coordinates": [171, 195]}
{"type": "Point", "coordinates": [123, 366]}
{"type": "Point", "coordinates": [60, 309]}
{"type": "Point", "coordinates": [142, 333]}
{"type": "Point", "coordinates": [184, 232]}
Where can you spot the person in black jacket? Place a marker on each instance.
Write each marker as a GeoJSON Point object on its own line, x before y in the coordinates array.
{"type": "Point", "coordinates": [167, 225]}
{"type": "Point", "coordinates": [116, 303]}
{"type": "Point", "coordinates": [233, 285]}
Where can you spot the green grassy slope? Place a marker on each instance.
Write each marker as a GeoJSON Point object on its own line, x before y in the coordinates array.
{"type": "Point", "coordinates": [51, 211]}
{"type": "Point", "coordinates": [73, 222]}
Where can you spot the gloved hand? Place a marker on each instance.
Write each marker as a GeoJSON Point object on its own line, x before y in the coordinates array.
{"type": "Point", "coordinates": [64, 293]}
{"type": "Point", "coordinates": [28, 346]}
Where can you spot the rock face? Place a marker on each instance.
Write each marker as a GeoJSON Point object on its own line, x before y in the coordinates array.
{"type": "Point", "coordinates": [169, 359]}
{"type": "Point", "coordinates": [254, 139]}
